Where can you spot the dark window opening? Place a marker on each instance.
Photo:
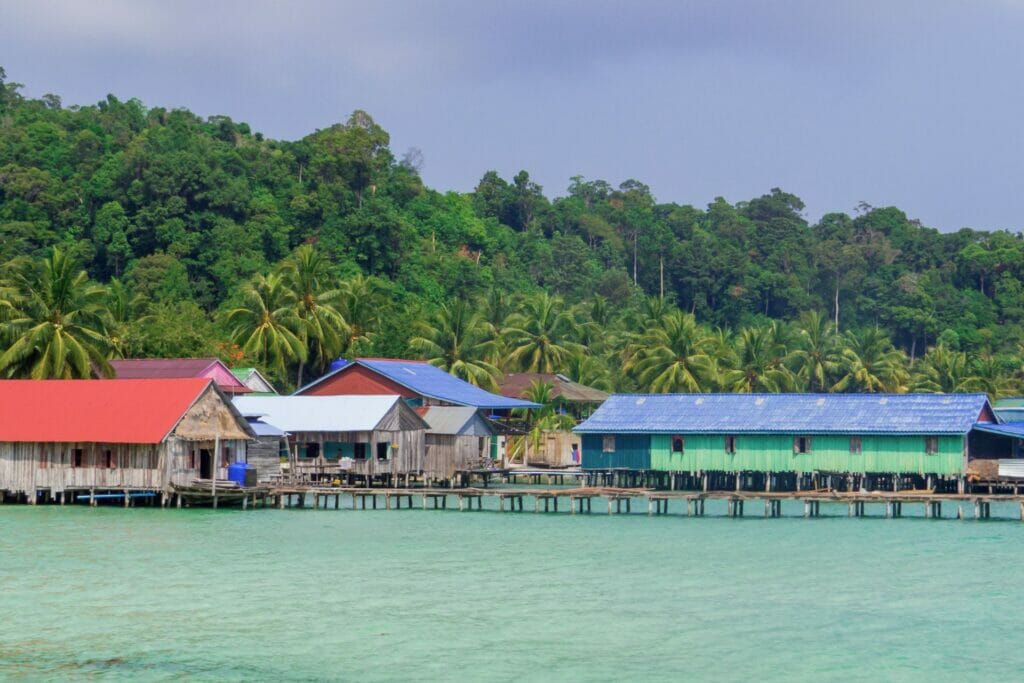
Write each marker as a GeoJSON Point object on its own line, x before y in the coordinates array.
{"type": "Point", "coordinates": [678, 444]}
{"type": "Point", "coordinates": [110, 460]}
{"type": "Point", "coordinates": [382, 451]}
{"type": "Point", "coordinates": [856, 447]}
{"type": "Point", "coordinates": [205, 464]}
{"type": "Point", "coordinates": [312, 450]}
{"type": "Point", "coordinates": [77, 458]}
{"type": "Point", "coordinates": [225, 458]}
{"type": "Point", "coordinates": [44, 460]}
{"type": "Point", "coordinates": [608, 444]}
{"type": "Point", "coordinates": [359, 451]}
{"type": "Point", "coordinates": [192, 459]}
{"type": "Point", "coordinates": [730, 444]}
{"type": "Point", "coordinates": [802, 444]}
{"type": "Point", "coordinates": [931, 445]}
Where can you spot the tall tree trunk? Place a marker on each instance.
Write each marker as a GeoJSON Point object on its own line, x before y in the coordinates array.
{"type": "Point", "coordinates": [636, 233]}
{"type": "Point", "coordinates": [298, 377]}
{"type": "Point", "coordinates": [837, 306]}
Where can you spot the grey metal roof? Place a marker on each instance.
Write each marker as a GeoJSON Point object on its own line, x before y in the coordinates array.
{"type": "Point", "coordinates": [788, 413]}
{"type": "Point", "coordinates": [262, 428]}
{"type": "Point", "coordinates": [459, 420]}
{"type": "Point", "coordinates": [319, 413]}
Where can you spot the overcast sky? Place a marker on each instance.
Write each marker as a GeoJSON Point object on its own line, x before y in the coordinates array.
{"type": "Point", "coordinates": [913, 104]}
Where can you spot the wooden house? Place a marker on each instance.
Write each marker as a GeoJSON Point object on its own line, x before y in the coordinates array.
{"type": "Point", "coordinates": [267, 449]}
{"type": "Point", "coordinates": [931, 436]}
{"type": "Point", "coordinates": [458, 438]}
{"type": "Point", "coordinates": [178, 368]}
{"type": "Point", "coordinates": [59, 437]}
{"type": "Point", "coordinates": [254, 379]}
{"type": "Point", "coordinates": [365, 437]}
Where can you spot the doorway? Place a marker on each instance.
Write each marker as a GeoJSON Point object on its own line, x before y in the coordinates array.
{"type": "Point", "coordinates": [205, 464]}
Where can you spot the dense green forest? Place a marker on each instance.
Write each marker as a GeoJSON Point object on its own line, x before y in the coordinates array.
{"type": "Point", "coordinates": [134, 231]}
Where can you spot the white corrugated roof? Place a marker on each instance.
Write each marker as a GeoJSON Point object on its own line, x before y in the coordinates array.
{"type": "Point", "coordinates": [319, 413]}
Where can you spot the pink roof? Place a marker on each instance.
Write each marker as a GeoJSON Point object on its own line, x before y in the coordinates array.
{"type": "Point", "coordinates": [169, 368]}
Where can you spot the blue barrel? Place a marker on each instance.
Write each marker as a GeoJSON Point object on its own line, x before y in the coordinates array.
{"type": "Point", "coordinates": [236, 472]}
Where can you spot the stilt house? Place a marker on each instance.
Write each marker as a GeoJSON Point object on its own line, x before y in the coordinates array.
{"type": "Point", "coordinates": [66, 436]}
{"type": "Point", "coordinates": [254, 379]}
{"type": "Point", "coordinates": [369, 437]}
{"type": "Point", "coordinates": [931, 435]}
{"type": "Point", "coordinates": [177, 368]}
{"type": "Point", "coordinates": [458, 439]}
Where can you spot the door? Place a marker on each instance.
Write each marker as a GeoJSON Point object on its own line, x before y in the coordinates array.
{"type": "Point", "coordinates": [205, 464]}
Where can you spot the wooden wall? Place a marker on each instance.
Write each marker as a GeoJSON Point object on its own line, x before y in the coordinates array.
{"type": "Point", "coordinates": [447, 453]}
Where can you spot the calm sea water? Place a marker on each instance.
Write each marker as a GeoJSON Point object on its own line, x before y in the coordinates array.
{"type": "Point", "coordinates": [323, 594]}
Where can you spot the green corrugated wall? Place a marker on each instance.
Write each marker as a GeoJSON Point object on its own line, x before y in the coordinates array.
{"type": "Point", "coordinates": [632, 452]}
{"type": "Point", "coordinates": [774, 453]}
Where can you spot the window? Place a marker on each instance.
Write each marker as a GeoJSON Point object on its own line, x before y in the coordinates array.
{"type": "Point", "coordinates": [312, 450]}
{"type": "Point", "coordinates": [678, 444]}
{"type": "Point", "coordinates": [802, 444]}
{"type": "Point", "coordinates": [608, 443]}
{"type": "Point", "coordinates": [382, 451]}
{"type": "Point", "coordinates": [855, 445]}
{"type": "Point", "coordinates": [44, 460]}
{"type": "Point", "coordinates": [77, 458]}
{"type": "Point", "coordinates": [192, 459]}
{"type": "Point", "coordinates": [730, 444]}
{"type": "Point", "coordinates": [931, 445]}
{"type": "Point", "coordinates": [359, 451]}
{"type": "Point", "coordinates": [109, 460]}
{"type": "Point", "coordinates": [225, 456]}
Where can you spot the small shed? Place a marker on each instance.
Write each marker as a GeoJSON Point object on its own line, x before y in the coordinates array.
{"type": "Point", "coordinates": [458, 438]}
{"type": "Point", "coordinates": [180, 368]}
{"type": "Point", "coordinates": [254, 379]}
{"type": "Point", "coordinates": [63, 436]}
{"type": "Point", "coordinates": [266, 450]}
{"type": "Point", "coordinates": [370, 437]}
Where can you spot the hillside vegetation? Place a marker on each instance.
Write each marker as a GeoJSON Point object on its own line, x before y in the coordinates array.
{"type": "Point", "coordinates": [135, 231]}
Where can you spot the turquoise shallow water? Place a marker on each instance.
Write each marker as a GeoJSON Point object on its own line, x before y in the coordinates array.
{"type": "Point", "coordinates": [142, 594]}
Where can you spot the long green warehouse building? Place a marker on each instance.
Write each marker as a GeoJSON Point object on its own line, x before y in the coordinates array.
{"type": "Point", "coordinates": [799, 433]}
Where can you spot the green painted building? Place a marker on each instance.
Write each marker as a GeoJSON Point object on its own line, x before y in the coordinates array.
{"type": "Point", "coordinates": [926, 434]}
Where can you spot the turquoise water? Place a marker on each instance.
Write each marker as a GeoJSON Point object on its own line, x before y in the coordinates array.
{"type": "Point", "coordinates": [141, 594]}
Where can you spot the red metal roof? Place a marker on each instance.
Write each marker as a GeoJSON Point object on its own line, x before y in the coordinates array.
{"type": "Point", "coordinates": [94, 410]}
{"type": "Point", "coordinates": [168, 368]}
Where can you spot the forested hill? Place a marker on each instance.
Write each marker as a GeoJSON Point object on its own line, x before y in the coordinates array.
{"type": "Point", "coordinates": [192, 226]}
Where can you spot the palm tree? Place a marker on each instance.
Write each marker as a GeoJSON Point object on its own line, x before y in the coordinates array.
{"type": "Point", "coordinates": [673, 356]}
{"type": "Point", "coordinates": [56, 321]}
{"type": "Point", "coordinates": [360, 301]}
{"type": "Point", "coordinates": [307, 273]}
{"type": "Point", "coordinates": [586, 368]}
{"type": "Point", "coordinates": [544, 419]}
{"type": "Point", "coordinates": [456, 341]}
{"type": "Point", "coordinates": [267, 325]}
{"type": "Point", "coordinates": [942, 371]}
{"type": "Point", "coordinates": [125, 319]}
{"type": "Point", "coordinates": [760, 362]}
{"type": "Point", "coordinates": [816, 359]}
{"type": "Point", "coordinates": [991, 375]}
{"type": "Point", "coordinates": [496, 310]}
{"type": "Point", "coordinates": [871, 364]}
{"type": "Point", "coordinates": [541, 337]}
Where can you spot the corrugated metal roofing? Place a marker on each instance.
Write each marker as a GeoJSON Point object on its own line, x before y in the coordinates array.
{"type": "Point", "coordinates": [261, 428]}
{"type": "Point", "coordinates": [95, 411]}
{"type": "Point", "coordinates": [426, 380]}
{"type": "Point", "coordinates": [459, 420]}
{"type": "Point", "coordinates": [516, 384]}
{"type": "Point", "coordinates": [254, 379]}
{"type": "Point", "coordinates": [170, 368]}
{"type": "Point", "coordinates": [1014, 429]}
{"type": "Point", "coordinates": [319, 413]}
{"type": "Point", "coordinates": [787, 413]}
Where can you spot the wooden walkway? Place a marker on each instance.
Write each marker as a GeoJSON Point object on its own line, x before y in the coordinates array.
{"type": "Point", "coordinates": [618, 500]}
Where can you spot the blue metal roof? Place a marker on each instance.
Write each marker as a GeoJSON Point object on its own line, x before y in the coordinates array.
{"type": "Point", "coordinates": [431, 382]}
{"type": "Point", "coordinates": [262, 428]}
{"type": "Point", "coordinates": [787, 413]}
{"type": "Point", "coordinates": [1014, 429]}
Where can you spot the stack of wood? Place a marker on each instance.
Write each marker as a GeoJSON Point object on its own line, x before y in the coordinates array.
{"type": "Point", "coordinates": [982, 470]}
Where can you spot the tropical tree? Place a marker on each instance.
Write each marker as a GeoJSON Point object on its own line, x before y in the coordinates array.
{"type": "Point", "coordinates": [674, 356]}
{"type": "Point", "coordinates": [455, 340]}
{"type": "Point", "coordinates": [760, 362]}
{"type": "Point", "coordinates": [126, 319]}
{"type": "Point", "coordinates": [817, 357]}
{"type": "Point", "coordinates": [267, 326]}
{"type": "Point", "coordinates": [55, 319]}
{"type": "Point", "coordinates": [942, 371]}
{"type": "Point", "coordinates": [541, 336]}
{"type": "Point", "coordinates": [360, 301]}
{"type": "Point", "coordinates": [871, 364]}
{"type": "Point", "coordinates": [307, 273]}
{"type": "Point", "coordinates": [992, 375]}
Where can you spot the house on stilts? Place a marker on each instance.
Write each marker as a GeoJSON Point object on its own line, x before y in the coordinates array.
{"type": "Point", "coordinates": [61, 439]}
{"type": "Point", "coordinates": [794, 441]}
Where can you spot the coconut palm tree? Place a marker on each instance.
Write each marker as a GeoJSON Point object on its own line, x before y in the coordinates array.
{"type": "Point", "coordinates": [455, 340]}
{"type": "Point", "coordinates": [542, 335]}
{"type": "Point", "coordinates": [871, 364]}
{"type": "Point", "coordinates": [673, 356]}
{"type": "Point", "coordinates": [307, 273]}
{"type": "Point", "coordinates": [360, 302]}
{"type": "Point", "coordinates": [942, 371]}
{"type": "Point", "coordinates": [816, 358]}
{"type": "Point", "coordinates": [267, 326]}
{"type": "Point", "coordinates": [56, 321]}
{"type": "Point", "coordinates": [760, 363]}
{"type": "Point", "coordinates": [126, 318]}
{"type": "Point", "coordinates": [992, 375]}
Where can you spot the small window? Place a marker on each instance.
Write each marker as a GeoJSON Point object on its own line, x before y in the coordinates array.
{"type": "Point", "coordinates": [802, 444]}
{"type": "Point", "coordinates": [44, 460]}
{"type": "Point", "coordinates": [192, 459]}
{"type": "Point", "coordinates": [382, 451]}
{"type": "Point", "coordinates": [730, 444]}
{"type": "Point", "coordinates": [225, 456]}
{"type": "Point", "coordinates": [931, 445]}
{"type": "Point", "coordinates": [109, 460]}
{"type": "Point", "coordinates": [678, 444]}
{"type": "Point", "coordinates": [77, 458]}
{"type": "Point", "coordinates": [608, 444]}
{"type": "Point", "coordinates": [359, 451]}
{"type": "Point", "coordinates": [312, 450]}
{"type": "Point", "coordinates": [855, 445]}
